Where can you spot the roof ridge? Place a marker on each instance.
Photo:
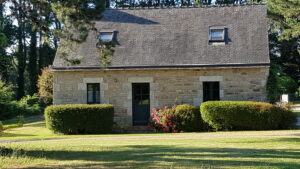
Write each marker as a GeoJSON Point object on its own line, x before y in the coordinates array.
{"type": "Point", "coordinates": [182, 7]}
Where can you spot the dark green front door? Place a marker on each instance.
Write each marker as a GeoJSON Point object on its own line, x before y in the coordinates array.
{"type": "Point", "coordinates": [140, 103]}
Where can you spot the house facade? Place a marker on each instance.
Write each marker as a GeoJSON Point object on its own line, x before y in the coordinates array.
{"type": "Point", "coordinates": [168, 56]}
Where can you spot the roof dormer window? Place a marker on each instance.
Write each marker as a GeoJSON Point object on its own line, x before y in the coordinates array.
{"type": "Point", "coordinates": [217, 34]}
{"type": "Point", "coordinates": [106, 36]}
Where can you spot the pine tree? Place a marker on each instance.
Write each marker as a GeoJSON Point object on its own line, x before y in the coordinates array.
{"type": "Point", "coordinates": [285, 14]}
{"type": "Point", "coordinates": [285, 25]}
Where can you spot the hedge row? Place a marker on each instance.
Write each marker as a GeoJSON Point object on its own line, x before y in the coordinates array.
{"type": "Point", "coordinates": [189, 118]}
{"type": "Point", "coordinates": [246, 115]}
{"type": "Point", "coordinates": [80, 118]}
{"type": "Point", "coordinates": [220, 115]}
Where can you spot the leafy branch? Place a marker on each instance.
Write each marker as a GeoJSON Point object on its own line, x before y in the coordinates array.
{"type": "Point", "coordinates": [106, 51]}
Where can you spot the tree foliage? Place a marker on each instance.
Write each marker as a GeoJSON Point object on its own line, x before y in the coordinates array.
{"type": "Point", "coordinates": [285, 14]}
{"type": "Point", "coordinates": [3, 39]}
{"type": "Point", "coordinates": [284, 45]}
{"type": "Point", "coordinates": [45, 86]}
{"type": "Point", "coordinates": [33, 39]}
{"type": "Point", "coordinates": [6, 92]}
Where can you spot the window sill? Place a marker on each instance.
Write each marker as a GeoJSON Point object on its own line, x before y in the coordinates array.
{"type": "Point", "coordinates": [216, 43]}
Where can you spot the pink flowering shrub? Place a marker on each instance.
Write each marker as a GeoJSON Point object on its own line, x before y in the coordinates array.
{"type": "Point", "coordinates": [164, 120]}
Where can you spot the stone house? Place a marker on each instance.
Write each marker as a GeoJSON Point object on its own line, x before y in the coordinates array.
{"type": "Point", "coordinates": [168, 55]}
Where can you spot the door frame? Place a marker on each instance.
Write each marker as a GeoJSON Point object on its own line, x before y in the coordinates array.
{"type": "Point", "coordinates": [132, 84]}
{"type": "Point", "coordinates": [128, 102]}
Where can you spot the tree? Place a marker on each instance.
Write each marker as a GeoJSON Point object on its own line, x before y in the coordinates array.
{"type": "Point", "coordinates": [32, 65]}
{"type": "Point", "coordinates": [284, 40]}
{"type": "Point", "coordinates": [284, 36]}
{"type": "Point", "coordinates": [285, 14]}
{"type": "Point", "coordinates": [7, 32]}
{"type": "Point", "coordinates": [33, 41]}
{"type": "Point", "coordinates": [22, 49]}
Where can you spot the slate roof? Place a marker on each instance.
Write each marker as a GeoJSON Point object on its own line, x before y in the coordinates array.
{"type": "Point", "coordinates": [178, 38]}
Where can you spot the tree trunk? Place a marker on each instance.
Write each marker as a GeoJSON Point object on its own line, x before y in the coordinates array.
{"type": "Point", "coordinates": [21, 57]}
{"type": "Point", "coordinates": [32, 65]}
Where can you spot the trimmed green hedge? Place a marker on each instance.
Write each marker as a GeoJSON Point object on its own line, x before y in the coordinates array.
{"type": "Point", "coordinates": [190, 118]}
{"type": "Point", "coordinates": [80, 118]}
{"type": "Point", "coordinates": [246, 115]}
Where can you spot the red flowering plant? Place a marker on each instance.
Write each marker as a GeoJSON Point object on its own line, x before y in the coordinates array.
{"type": "Point", "coordinates": [164, 120]}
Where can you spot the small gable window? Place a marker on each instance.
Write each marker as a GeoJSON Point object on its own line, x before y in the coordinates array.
{"type": "Point", "coordinates": [217, 34]}
{"type": "Point", "coordinates": [106, 36]}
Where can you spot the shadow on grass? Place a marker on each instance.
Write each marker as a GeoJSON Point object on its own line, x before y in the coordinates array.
{"type": "Point", "coordinates": [36, 124]}
{"type": "Point", "coordinates": [289, 139]}
{"type": "Point", "coordinates": [162, 156]}
{"type": "Point", "coordinates": [15, 135]}
{"type": "Point", "coordinates": [29, 119]}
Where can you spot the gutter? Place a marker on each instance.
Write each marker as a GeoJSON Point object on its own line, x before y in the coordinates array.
{"type": "Point", "coordinates": [160, 67]}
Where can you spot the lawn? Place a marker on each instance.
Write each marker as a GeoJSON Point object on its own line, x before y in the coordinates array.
{"type": "Point", "coordinates": [251, 149]}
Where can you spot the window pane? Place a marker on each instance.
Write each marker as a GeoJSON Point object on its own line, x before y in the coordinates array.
{"type": "Point", "coordinates": [211, 91]}
{"type": "Point", "coordinates": [106, 36]}
{"type": "Point", "coordinates": [90, 96]}
{"type": "Point", "coordinates": [89, 87]}
{"type": "Point", "coordinates": [216, 34]}
{"type": "Point", "coordinates": [93, 93]}
{"type": "Point", "coordinates": [145, 89]}
{"type": "Point", "coordinates": [97, 97]}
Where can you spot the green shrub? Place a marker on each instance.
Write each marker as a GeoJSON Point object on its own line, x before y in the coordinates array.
{"type": "Point", "coordinates": [9, 110]}
{"type": "Point", "coordinates": [7, 107]}
{"type": "Point", "coordinates": [286, 84]}
{"type": "Point", "coordinates": [80, 118]}
{"type": "Point", "coordinates": [1, 127]}
{"type": "Point", "coordinates": [31, 105]}
{"type": "Point", "coordinates": [27, 106]}
{"type": "Point", "coordinates": [288, 119]}
{"type": "Point", "coordinates": [190, 118]}
{"type": "Point", "coordinates": [45, 85]}
{"type": "Point", "coordinates": [179, 118]}
{"type": "Point", "coordinates": [6, 92]}
{"type": "Point", "coordinates": [246, 115]}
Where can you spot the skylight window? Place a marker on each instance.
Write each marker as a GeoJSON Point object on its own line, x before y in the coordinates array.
{"type": "Point", "coordinates": [106, 36]}
{"type": "Point", "coordinates": [217, 35]}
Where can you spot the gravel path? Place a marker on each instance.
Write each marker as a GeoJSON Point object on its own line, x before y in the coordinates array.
{"type": "Point", "coordinates": [208, 135]}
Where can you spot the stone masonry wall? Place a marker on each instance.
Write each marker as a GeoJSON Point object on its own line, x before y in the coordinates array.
{"type": "Point", "coordinates": [166, 86]}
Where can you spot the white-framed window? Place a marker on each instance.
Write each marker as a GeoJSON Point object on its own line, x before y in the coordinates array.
{"type": "Point", "coordinates": [106, 36]}
{"type": "Point", "coordinates": [217, 34]}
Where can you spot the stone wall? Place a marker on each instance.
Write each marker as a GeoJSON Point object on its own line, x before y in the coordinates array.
{"type": "Point", "coordinates": [166, 86]}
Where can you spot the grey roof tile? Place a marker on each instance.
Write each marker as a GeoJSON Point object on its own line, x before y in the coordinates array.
{"type": "Point", "coordinates": [179, 36]}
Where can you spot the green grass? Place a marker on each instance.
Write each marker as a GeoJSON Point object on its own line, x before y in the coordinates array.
{"type": "Point", "coordinates": [33, 131]}
{"type": "Point", "coordinates": [15, 122]}
{"type": "Point", "coordinates": [251, 149]}
{"type": "Point", "coordinates": [28, 119]}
